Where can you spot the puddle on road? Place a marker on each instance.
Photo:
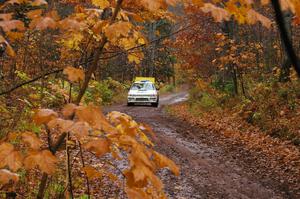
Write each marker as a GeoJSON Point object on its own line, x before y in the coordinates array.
{"type": "Point", "coordinates": [193, 146]}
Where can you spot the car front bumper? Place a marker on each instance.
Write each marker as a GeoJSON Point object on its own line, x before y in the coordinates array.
{"type": "Point", "coordinates": [142, 99]}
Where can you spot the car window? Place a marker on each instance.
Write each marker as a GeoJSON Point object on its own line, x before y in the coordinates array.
{"type": "Point", "coordinates": [142, 86]}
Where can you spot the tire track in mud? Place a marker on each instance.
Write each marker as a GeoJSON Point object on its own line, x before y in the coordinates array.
{"type": "Point", "coordinates": [206, 171]}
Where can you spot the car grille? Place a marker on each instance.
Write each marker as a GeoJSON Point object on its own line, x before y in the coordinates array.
{"type": "Point", "coordinates": [142, 99]}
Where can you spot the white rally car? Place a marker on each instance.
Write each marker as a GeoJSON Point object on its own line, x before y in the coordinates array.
{"type": "Point", "coordinates": [143, 92]}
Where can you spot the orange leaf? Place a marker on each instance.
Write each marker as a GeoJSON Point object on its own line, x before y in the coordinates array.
{"type": "Point", "coordinates": [43, 116]}
{"type": "Point", "coordinates": [6, 176]}
{"type": "Point", "coordinates": [163, 161]}
{"type": "Point", "coordinates": [9, 157]}
{"type": "Point", "coordinates": [99, 146]}
{"type": "Point", "coordinates": [74, 74]}
{"type": "Point", "coordinates": [32, 140]}
{"type": "Point", "coordinates": [44, 160]}
{"type": "Point", "coordinates": [94, 117]}
{"type": "Point", "coordinates": [61, 125]}
{"type": "Point", "coordinates": [12, 25]}
{"type": "Point", "coordinates": [136, 193]}
{"type": "Point", "coordinates": [91, 172]}
{"type": "Point", "coordinates": [118, 29]}
{"type": "Point", "coordinates": [69, 110]}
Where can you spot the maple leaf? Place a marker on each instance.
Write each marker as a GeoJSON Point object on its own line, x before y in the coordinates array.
{"type": "Point", "coordinates": [6, 16]}
{"type": "Point", "coordinates": [163, 161]}
{"type": "Point", "coordinates": [91, 172]}
{"type": "Point", "coordinates": [94, 117]}
{"type": "Point", "coordinates": [60, 124]}
{"type": "Point", "coordinates": [219, 14]}
{"type": "Point", "coordinates": [39, 2]}
{"type": "Point", "coordinates": [74, 74]}
{"type": "Point", "coordinates": [69, 110]}
{"type": "Point", "coordinates": [172, 2]}
{"type": "Point", "coordinates": [253, 17]}
{"type": "Point", "coordinates": [7, 176]}
{"type": "Point", "coordinates": [44, 23]}
{"type": "Point", "coordinates": [198, 3]}
{"type": "Point", "coordinates": [43, 116]}
{"type": "Point", "coordinates": [12, 25]}
{"type": "Point", "coordinates": [135, 57]}
{"type": "Point", "coordinates": [9, 50]}
{"type": "Point", "coordinates": [136, 193]}
{"type": "Point", "coordinates": [44, 160]}
{"type": "Point", "coordinates": [118, 29]}
{"type": "Point", "coordinates": [32, 140]}
{"type": "Point", "coordinates": [71, 24]}
{"type": "Point", "coordinates": [99, 146]}
{"type": "Point", "coordinates": [80, 129]}
{"type": "Point", "coordinates": [101, 3]}
{"type": "Point", "coordinates": [154, 5]}
{"type": "Point", "coordinates": [9, 157]}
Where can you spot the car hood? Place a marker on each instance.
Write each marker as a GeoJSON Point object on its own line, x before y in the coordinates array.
{"type": "Point", "coordinates": [142, 92]}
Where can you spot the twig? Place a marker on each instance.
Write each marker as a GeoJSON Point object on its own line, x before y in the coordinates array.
{"type": "Point", "coordinates": [86, 178]}
{"type": "Point", "coordinates": [68, 167]}
{"type": "Point", "coordinates": [30, 81]}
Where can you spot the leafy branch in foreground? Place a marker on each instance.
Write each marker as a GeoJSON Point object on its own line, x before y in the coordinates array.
{"type": "Point", "coordinates": [111, 138]}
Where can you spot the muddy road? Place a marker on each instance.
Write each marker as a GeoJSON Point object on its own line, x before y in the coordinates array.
{"type": "Point", "coordinates": [207, 170]}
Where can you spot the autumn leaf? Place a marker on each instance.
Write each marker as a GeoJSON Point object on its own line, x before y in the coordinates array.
{"type": "Point", "coordinates": [219, 14]}
{"type": "Point", "coordinates": [253, 17]}
{"type": "Point", "coordinates": [43, 116]}
{"type": "Point", "coordinates": [154, 5]}
{"type": "Point", "coordinates": [39, 2]}
{"type": "Point", "coordinates": [9, 157]}
{"type": "Point", "coordinates": [44, 160]}
{"type": "Point", "coordinates": [69, 110]}
{"type": "Point", "coordinates": [136, 193]}
{"type": "Point", "coordinates": [74, 74]}
{"type": "Point", "coordinates": [163, 161]}
{"type": "Point", "coordinates": [118, 29]}
{"type": "Point", "coordinates": [7, 176]}
{"type": "Point", "coordinates": [99, 146]}
{"type": "Point", "coordinates": [32, 140]}
{"type": "Point", "coordinates": [94, 117]}
{"type": "Point", "coordinates": [60, 124]}
{"type": "Point", "coordinates": [12, 25]}
{"type": "Point", "coordinates": [101, 3]}
{"type": "Point", "coordinates": [91, 172]}
{"type": "Point", "coordinates": [80, 129]}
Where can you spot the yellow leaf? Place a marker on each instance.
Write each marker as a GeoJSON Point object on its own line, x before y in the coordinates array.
{"type": "Point", "coordinates": [74, 74]}
{"type": "Point", "coordinates": [114, 31]}
{"type": "Point", "coordinates": [101, 3]}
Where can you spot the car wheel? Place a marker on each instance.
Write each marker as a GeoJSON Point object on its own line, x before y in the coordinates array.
{"type": "Point", "coordinates": [155, 104]}
{"type": "Point", "coordinates": [129, 103]}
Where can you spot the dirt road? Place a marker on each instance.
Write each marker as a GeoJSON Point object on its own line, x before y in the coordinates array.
{"type": "Point", "coordinates": [207, 170]}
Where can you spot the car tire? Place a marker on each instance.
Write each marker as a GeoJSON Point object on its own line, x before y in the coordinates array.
{"type": "Point", "coordinates": [154, 104]}
{"type": "Point", "coordinates": [129, 104]}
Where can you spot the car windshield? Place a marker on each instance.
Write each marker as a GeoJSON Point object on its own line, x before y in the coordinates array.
{"type": "Point", "coordinates": [142, 86]}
